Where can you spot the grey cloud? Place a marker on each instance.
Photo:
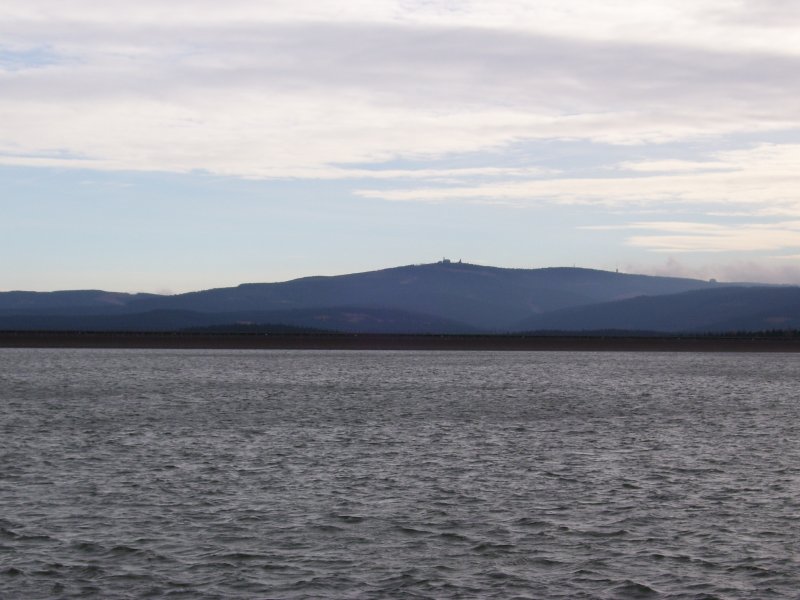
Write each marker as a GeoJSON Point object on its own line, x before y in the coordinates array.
{"type": "Point", "coordinates": [472, 67]}
{"type": "Point", "coordinates": [440, 68]}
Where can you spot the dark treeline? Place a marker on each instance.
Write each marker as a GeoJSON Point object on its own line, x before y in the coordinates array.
{"type": "Point", "coordinates": [625, 333]}
{"type": "Point", "coordinates": [595, 342]}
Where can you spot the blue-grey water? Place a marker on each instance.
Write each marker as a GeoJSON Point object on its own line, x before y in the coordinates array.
{"type": "Point", "coordinates": [301, 474]}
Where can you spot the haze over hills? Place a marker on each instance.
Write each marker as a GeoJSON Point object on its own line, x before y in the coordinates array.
{"type": "Point", "coordinates": [443, 297]}
{"type": "Point", "coordinates": [67, 302]}
{"type": "Point", "coordinates": [719, 310]}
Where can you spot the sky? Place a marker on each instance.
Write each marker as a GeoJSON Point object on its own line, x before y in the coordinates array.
{"type": "Point", "coordinates": [173, 146]}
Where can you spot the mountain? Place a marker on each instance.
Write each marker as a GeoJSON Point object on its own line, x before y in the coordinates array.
{"type": "Point", "coordinates": [714, 310]}
{"type": "Point", "coordinates": [443, 297]}
{"type": "Point", "coordinates": [68, 302]}
{"type": "Point", "coordinates": [349, 320]}
{"type": "Point", "coordinates": [484, 298]}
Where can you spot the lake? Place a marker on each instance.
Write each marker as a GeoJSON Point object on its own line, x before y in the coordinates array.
{"type": "Point", "coordinates": [336, 474]}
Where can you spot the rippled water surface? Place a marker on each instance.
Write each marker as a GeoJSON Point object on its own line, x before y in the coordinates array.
{"type": "Point", "coordinates": [269, 474]}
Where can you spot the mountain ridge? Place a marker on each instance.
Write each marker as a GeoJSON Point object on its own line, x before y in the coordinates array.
{"type": "Point", "coordinates": [442, 297]}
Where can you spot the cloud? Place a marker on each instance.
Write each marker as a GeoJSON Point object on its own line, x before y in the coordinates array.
{"type": "Point", "coordinates": [778, 15]}
{"type": "Point", "coordinates": [683, 236]}
{"type": "Point", "coordinates": [673, 166]}
{"type": "Point", "coordinates": [718, 238]}
{"type": "Point", "coordinates": [764, 178]}
{"type": "Point", "coordinates": [298, 89]}
{"type": "Point", "coordinates": [739, 24]}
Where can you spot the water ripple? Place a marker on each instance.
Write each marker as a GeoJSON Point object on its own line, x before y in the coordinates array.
{"type": "Point", "coordinates": [227, 474]}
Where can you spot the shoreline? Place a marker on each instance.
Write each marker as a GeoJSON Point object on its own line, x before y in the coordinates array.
{"type": "Point", "coordinates": [486, 342]}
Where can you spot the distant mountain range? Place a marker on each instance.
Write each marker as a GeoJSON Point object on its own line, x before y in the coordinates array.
{"type": "Point", "coordinates": [443, 297]}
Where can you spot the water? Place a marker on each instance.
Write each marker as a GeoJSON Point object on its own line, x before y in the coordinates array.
{"type": "Point", "coordinates": [236, 474]}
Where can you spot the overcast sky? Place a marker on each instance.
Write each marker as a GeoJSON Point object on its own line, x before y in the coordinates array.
{"type": "Point", "coordinates": [170, 146]}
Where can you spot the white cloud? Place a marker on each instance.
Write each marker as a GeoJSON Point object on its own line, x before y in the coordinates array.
{"type": "Point", "coordinates": [687, 236]}
{"type": "Point", "coordinates": [672, 166]}
{"type": "Point", "coordinates": [718, 238]}
{"type": "Point", "coordinates": [740, 24]}
{"type": "Point", "coordinates": [296, 89]}
{"type": "Point", "coordinates": [764, 177]}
